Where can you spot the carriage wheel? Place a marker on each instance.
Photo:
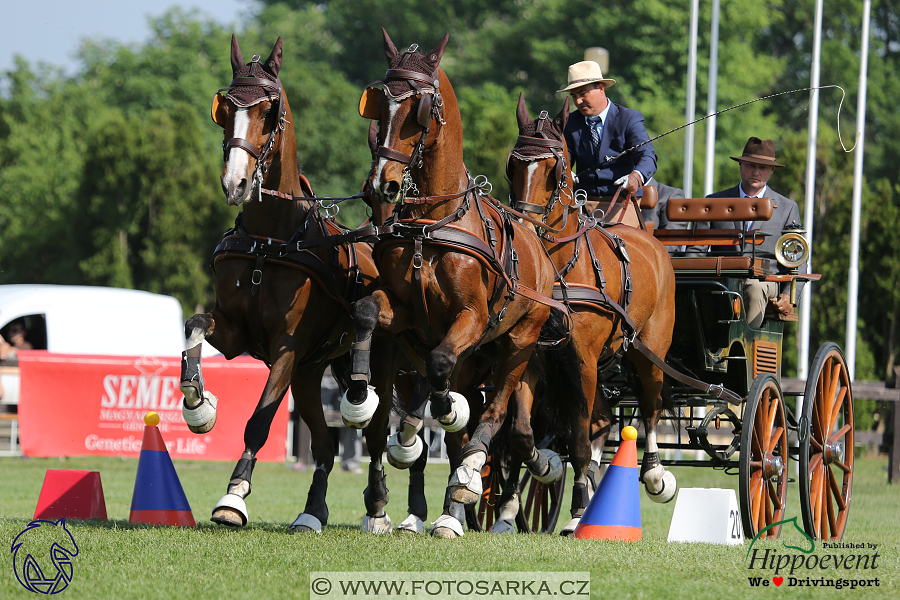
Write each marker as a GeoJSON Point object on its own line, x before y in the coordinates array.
{"type": "Point", "coordinates": [763, 461]}
{"type": "Point", "coordinates": [826, 446]}
{"type": "Point", "coordinates": [540, 503]}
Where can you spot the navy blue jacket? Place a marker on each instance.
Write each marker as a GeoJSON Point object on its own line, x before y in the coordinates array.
{"type": "Point", "coordinates": [623, 129]}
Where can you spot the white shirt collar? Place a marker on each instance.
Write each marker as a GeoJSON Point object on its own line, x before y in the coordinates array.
{"type": "Point", "coordinates": [761, 194]}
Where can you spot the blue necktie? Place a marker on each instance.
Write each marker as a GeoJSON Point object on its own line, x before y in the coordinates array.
{"type": "Point", "coordinates": [595, 134]}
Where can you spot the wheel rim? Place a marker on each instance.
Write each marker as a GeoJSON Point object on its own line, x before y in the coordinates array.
{"type": "Point", "coordinates": [540, 503]}
{"type": "Point", "coordinates": [827, 452]}
{"type": "Point", "coordinates": [763, 461]}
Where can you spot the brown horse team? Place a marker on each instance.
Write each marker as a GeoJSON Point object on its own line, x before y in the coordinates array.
{"type": "Point", "coordinates": [458, 289]}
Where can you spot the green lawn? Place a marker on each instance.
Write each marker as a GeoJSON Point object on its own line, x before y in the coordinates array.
{"type": "Point", "coordinates": [120, 560]}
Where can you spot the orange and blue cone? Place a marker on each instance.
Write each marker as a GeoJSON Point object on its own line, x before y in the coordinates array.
{"type": "Point", "coordinates": [158, 496]}
{"type": "Point", "coordinates": [614, 512]}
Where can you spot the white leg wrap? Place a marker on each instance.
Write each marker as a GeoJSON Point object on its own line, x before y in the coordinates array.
{"type": "Point", "coordinates": [305, 522]}
{"type": "Point", "coordinates": [507, 521]}
{"type": "Point", "coordinates": [377, 524]}
{"type": "Point", "coordinates": [236, 503]}
{"type": "Point", "coordinates": [459, 414]}
{"type": "Point", "coordinates": [200, 418]}
{"type": "Point", "coordinates": [466, 485]}
{"type": "Point", "coordinates": [447, 527]}
{"type": "Point", "coordinates": [359, 415]}
{"type": "Point", "coordinates": [412, 524]}
{"type": "Point", "coordinates": [569, 528]}
{"type": "Point", "coordinates": [400, 456]}
{"type": "Point", "coordinates": [660, 484]}
{"type": "Point", "coordinates": [556, 467]}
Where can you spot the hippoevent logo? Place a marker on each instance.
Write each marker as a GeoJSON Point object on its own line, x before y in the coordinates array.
{"type": "Point", "coordinates": [42, 556]}
{"type": "Point", "coordinates": [802, 566]}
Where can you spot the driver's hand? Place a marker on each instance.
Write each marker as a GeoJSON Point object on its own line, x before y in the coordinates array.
{"type": "Point", "coordinates": [634, 182]}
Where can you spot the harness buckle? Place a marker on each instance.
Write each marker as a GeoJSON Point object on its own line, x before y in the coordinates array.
{"type": "Point", "coordinates": [628, 340]}
{"type": "Point", "coordinates": [417, 260]}
{"type": "Point", "coordinates": [256, 277]}
{"type": "Point", "coordinates": [715, 389]}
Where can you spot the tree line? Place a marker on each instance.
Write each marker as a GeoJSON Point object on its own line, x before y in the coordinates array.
{"type": "Point", "coordinates": [110, 176]}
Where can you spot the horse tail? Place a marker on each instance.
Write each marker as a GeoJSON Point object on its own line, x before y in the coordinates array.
{"type": "Point", "coordinates": [562, 402]}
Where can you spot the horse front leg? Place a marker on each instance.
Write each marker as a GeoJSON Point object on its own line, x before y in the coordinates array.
{"type": "Point", "coordinates": [232, 509]}
{"type": "Point", "coordinates": [199, 405]}
{"type": "Point", "coordinates": [660, 483]}
{"type": "Point", "coordinates": [516, 347]}
{"type": "Point", "coordinates": [381, 309]}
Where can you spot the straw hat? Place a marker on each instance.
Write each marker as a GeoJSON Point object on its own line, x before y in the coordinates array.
{"type": "Point", "coordinates": [583, 73]}
{"type": "Point", "coordinates": [758, 152]}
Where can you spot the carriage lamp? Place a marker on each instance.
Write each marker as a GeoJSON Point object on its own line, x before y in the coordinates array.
{"type": "Point", "coordinates": [792, 250]}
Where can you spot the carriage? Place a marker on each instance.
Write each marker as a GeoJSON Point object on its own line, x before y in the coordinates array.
{"type": "Point", "coordinates": [432, 262]}
{"type": "Point", "coordinates": [755, 436]}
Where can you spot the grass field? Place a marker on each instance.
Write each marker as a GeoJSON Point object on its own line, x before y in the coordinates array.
{"type": "Point", "coordinates": [121, 560]}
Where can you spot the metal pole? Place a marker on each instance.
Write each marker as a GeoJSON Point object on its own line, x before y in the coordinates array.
{"type": "Point", "coordinates": [809, 209]}
{"type": "Point", "coordinates": [710, 172]}
{"type": "Point", "coordinates": [853, 285]}
{"type": "Point", "coordinates": [689, 114]}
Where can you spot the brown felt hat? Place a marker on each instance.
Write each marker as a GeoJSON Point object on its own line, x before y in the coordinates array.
{"type": "Point", "coordinates": [759, 152]}
{"type": "Point", "coordinates": [583, 73]}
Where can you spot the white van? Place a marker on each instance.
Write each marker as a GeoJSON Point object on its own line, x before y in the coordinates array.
{"type": "Point", "coordinates": [75, 319]}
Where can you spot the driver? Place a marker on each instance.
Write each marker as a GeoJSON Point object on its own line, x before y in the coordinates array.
{"type": "Point", "coordinates": [757, 163]}
{"type": "Point", "coordinates": [598, 130]}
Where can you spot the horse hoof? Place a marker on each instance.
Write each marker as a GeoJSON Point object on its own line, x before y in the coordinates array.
{"type": "Point", "coordinates": [465, 485]}
{"type": "Point", "coordinates": [377, 525]}
{"type": "Point", "coordinates": [569, 527]}
{"type": "Point", "coordinates": [231, 510]}
{"type": "Point", "coordinates": [555, 468]}
{"type": "Point", "coordinates": [412, 524]}
{"type": "Point", "coordinates": [202, 417]}
{"type": "Point", "coordinates": [400, 456]}
{"type": "Point", "coordinates": [503, 526]}
{"type": "Point", "coordinates": [358, 416]}
{"type": "Point", "coordinates": [458, 416]}
{"type": "Point", "coordinates": [447, 527]}
{"type": "Point", "coordinates": [666, 492]}
{"type": "Point", "coordinates": [304, 523]}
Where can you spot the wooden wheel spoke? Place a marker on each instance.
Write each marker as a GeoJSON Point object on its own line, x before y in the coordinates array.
{"type": "Point", "coordinates": [755, 487]}
{"type": "Point", "coordinates": [840, 433]}
{"type": "Point", "coordinates": [815, 444]}
{"type": "Point", "coordinates": [836, 491]}
{"type": "Point", "coordinates": [775, 439]}
{"type": "Point", "coordinates": [773, 496]}
{"type": "Point", "coordinates": [836, 411]}
{"type": "Point", "coordinates": [771, 414]}
{"type": "Point", "coordinates": [842, 466]}
{"type": "Point", "coordinates": [816, 496]}
{"type": "Point", "coordinates": [766, 516]}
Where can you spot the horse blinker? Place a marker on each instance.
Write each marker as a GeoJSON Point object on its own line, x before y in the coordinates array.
{"type": "Point", "coordinates": [368, 104]}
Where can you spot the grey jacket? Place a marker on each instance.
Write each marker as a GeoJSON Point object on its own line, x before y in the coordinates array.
{"type": "Point", "coordinates": [785, 212]}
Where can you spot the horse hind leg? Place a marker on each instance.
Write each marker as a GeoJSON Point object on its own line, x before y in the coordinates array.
{"type": "Point", "coordinates": [199, 405]}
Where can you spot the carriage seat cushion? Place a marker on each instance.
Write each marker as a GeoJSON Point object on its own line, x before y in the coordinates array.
{"type": "Point", "coordinates": [722, 265]}
{"type": "Point", "coordinates": [719, 209]}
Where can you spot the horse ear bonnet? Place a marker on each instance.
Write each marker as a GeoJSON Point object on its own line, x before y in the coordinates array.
{"type": "Point", "coordinates": [248, 95]}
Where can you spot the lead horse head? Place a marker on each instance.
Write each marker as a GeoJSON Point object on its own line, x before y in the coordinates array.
{"type": "Point", "coordinates": [410, 107]}
{"type": "Point", "coordinates": [253, 111]}
{"type": "Point", "coordinates": [537, 167]}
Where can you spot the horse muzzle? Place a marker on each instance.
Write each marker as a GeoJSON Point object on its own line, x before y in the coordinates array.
{"type": "Point", "coordinates": [236, 192]}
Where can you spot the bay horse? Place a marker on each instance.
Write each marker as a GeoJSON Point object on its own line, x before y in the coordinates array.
{"type": "Point", "coordinates": [596, 265]}
{"type": "Point", "coordinates": [283, 292]}
{"type": "Point", "coordinates": [457, 274]}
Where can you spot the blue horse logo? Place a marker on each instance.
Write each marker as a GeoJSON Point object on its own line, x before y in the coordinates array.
{"type": "Point", "coordinates": [38, 546]}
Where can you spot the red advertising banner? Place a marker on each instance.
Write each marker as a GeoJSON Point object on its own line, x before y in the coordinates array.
{"type": "Point", "coordinates": [76, 405]}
